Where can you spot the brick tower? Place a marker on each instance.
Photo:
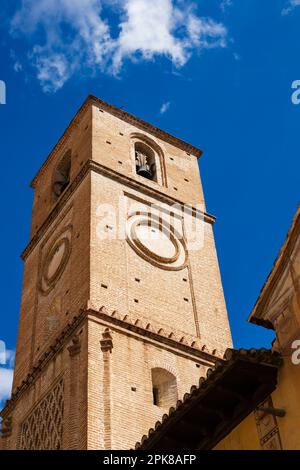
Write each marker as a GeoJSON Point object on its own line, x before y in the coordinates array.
{"type": "Point", "coordinates": [121, 311]}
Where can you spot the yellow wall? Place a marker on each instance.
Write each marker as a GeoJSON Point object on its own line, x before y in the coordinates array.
{"type": "Point", "coordinates": [286, 396]}
{"type": "Point", "coordinates": [243, 437]}
{"type": "Point", "coordinates": [279, 305]}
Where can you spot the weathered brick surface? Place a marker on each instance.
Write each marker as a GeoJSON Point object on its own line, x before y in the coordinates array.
{"type": "Point", "coordinates": [42, 317]}
{"type": "Point", "coordinates": [108, 401]}
{"type": "Point", "coordinates": [73, 372]}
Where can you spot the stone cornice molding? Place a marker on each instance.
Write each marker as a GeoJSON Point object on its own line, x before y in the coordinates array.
{"type": "Point", "coordinates": [183, 344]}
{"type": "Point", "coordinates": [91, 165]}
{"type": "Point", "coordinates": [59, 206]}
{"type": "Point", "coordinates": [130, 118]}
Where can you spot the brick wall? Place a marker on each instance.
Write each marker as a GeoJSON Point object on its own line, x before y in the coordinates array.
{"type": "Point", "coordinates": [108, 391]}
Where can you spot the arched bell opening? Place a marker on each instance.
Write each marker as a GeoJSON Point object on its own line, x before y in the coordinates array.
{"type": "Point", "coordinates": [61, 175]}
{"type": "Point", "coordinates": [145, 163]}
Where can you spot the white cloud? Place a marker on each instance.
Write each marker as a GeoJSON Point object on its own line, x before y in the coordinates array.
{"type": "Point", "coordinates": [6, 377]}
{"type": "Point", "coordinates": [159, 27]}
{"type": "Point", "coordinates": [2, 352]}
{"type": "Point", "coordinates": [290, 6]}
{"type": "Point", "coordinates": [52, 71]}
{"type": "Point", "coordinates": [164, 107]}
{"type": "Point", "coordinates": [73, 31]}
{"type": "Point", "coordinates": [66, 36]}
{"type": "Point", "coordinates": [18, 66]}
{"type": "Point", "coordinates": [10, 357]}
{"type": "Point", "coordinates": [7, 356]}
{"type": "Point", "coordinates": [206, 33]}
{"type": "Point", "coordinates": [148, 29]}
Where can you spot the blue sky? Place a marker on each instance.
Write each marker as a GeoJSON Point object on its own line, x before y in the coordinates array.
{"type": "Point", "coordinates": [216, 73]}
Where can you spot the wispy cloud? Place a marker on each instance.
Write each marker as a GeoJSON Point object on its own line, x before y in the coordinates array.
{"type": "Point", "coordinates": [68, 33]}
{"type": "Point", "coordinates": [225, 4]}
{"type": "Point", "coordinates": [290, 6]}
{"type": "Point", "coordinates": [67, 36]}
{"type": "Point", "coordinates": [164, 107]}
{"type": "Point", "coordinates": [16, 63]}
{"type": "Point", "coordinates": [6, 378]}
{"type": "Point", "coordinates": [7, 358]}
{"type": "Point", "coordinates": [10, 357]}
{"type": "Point", "coordinates": [18, 66]}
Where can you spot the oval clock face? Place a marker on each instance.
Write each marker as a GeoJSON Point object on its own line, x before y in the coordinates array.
{"type": "Point", "coordinates": [55, 262]}
{"type": "Point", "coordinates": [156, 242]}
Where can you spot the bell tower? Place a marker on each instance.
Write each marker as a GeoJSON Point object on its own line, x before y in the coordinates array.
{"type": "Point", "coordinates": [122, 304]}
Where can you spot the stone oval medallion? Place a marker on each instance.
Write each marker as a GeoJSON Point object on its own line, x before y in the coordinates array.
{"type": "Point", "coordinates": [155, 241]}
{"type": "Point", "coordinates": [55, 261]}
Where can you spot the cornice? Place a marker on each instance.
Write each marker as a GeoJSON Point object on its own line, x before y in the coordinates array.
{"type": "Point", "coordinates": [278, 268]}
{"type": "Point", "coordinates": [61, 142]}
{"type": "Point", "coordinates": [181, 343]}
{"type": "Point", "coordinates": [55, 211]}
{"type": "Point", "coordinates": [91, 165]}
{"type": "Point", "coordinates": [146, 126]}
{"type": "Point", "coordinates": [125, 116]}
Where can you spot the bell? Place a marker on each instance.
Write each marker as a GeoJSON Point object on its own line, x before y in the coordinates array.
{"type": "Point", "coordinates": [144, 170]}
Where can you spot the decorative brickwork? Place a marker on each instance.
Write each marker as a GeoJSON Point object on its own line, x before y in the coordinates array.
{"type": "Point", "coordinates": [106, 347]}
{"type": "Point", "coordinates": [158, 295]}
{"type": "Point", "coordinates": [43, 428]}
{"type": "Point", "coordinates": [6, 427]}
